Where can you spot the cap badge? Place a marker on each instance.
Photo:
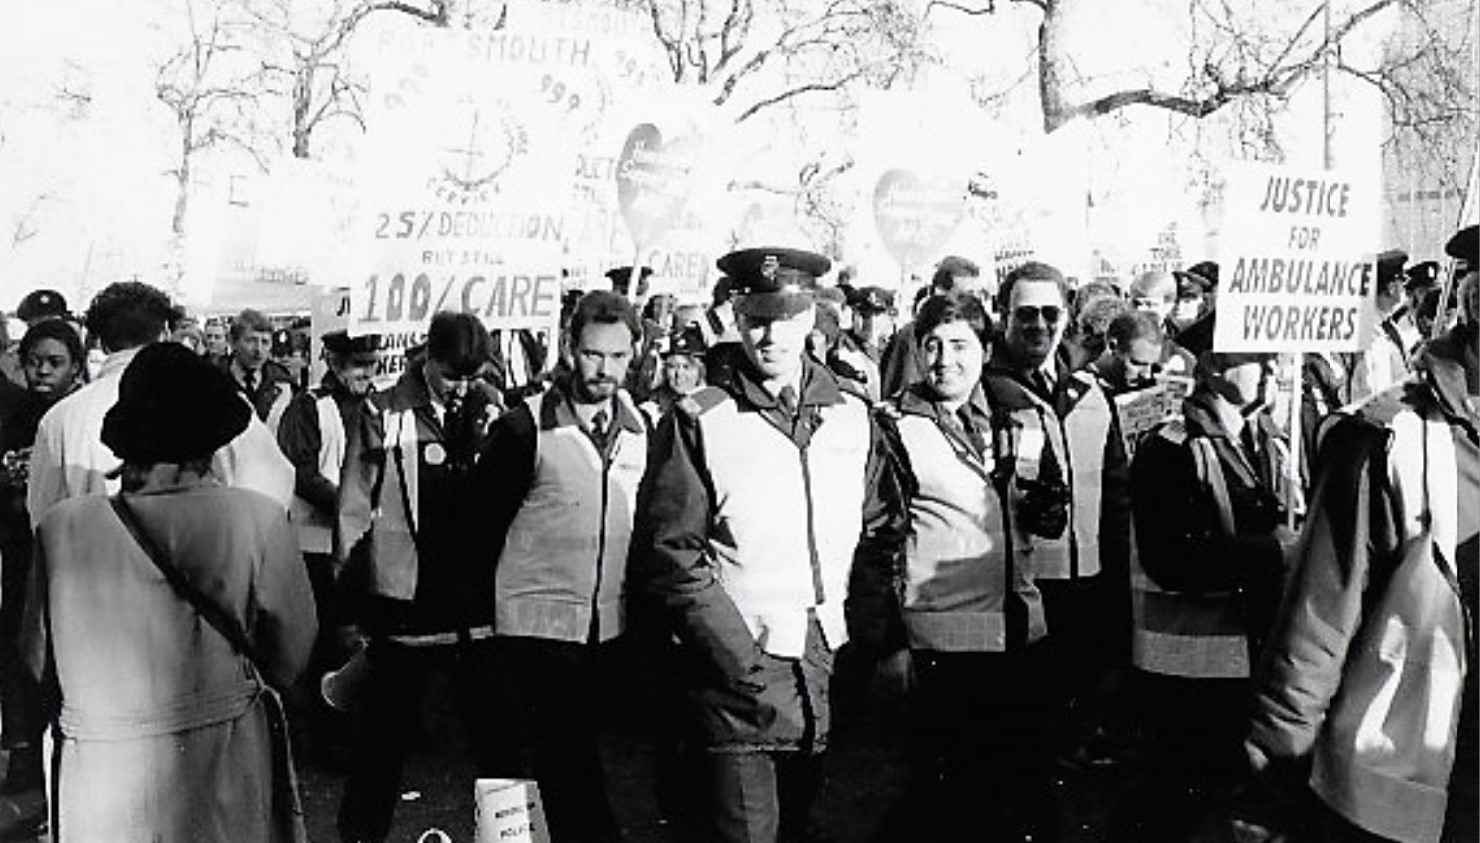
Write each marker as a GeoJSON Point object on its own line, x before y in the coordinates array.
{"type": "Point", "coordinates": [770, 266]}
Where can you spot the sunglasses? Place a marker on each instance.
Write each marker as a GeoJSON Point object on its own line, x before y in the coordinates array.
{"type": "Point", "coordinates": [1027, 313]}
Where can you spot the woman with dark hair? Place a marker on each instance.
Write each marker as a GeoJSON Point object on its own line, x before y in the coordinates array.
{"type": "Point", "coordinates": [972, 614]}
{"type": "Point", "coordinates": [53, 363]}
{"type": "Point", "coordinates": [162, 618]}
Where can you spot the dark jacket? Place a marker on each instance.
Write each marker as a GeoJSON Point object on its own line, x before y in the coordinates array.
{"type": "Point", "coordinates": [1182, 543]}
{"type": "Point", "coordinates": [300, 439]}
{"type": "Point", "coordinates": [746, 697]}
{"type": "Point", "coordinates": [275, 385]}
{"type": "Point", "coordinates": [426, 575]}
{"type": "Point", "coordinates": [1371, 670]}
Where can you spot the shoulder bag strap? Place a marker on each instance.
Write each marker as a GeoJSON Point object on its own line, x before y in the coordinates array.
{"type": "Point", "coordinates": [211, 612]}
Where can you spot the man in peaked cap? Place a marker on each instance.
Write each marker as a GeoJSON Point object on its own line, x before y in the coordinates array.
{"type": "Point", "coordinates": [313, 435]}
{"type": "Point", "coordinates": [768, 501]}
{"type": "Point", "coordinates": [1385, 361]}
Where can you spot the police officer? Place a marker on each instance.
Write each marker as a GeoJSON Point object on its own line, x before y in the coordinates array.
{"type": "Point", "coordinates": [406, 521]}
{"type": "Point", "coordinates": [762, 499]}
{"type": "Point", "coordinates": [1210, 536]}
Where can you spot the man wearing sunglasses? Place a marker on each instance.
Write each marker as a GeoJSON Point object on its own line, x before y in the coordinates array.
{"type": "Point", "coordinates": [1082, 568]}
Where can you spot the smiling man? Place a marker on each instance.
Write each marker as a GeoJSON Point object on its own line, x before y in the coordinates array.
{"type": "Point", "coordinates": [764, 497]}
{"type": "Point", "coordinates": [1082, 568]}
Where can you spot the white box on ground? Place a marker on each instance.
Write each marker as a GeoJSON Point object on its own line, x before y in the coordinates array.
{"type": "Point", "coordinates": [509, 811]}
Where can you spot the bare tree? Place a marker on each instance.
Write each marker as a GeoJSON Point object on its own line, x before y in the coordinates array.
{"type": "Point", "coordinates": [756, 54]}
{"type": "Point", "coordinates": [212, 87]}
{"type": "Point", "coordinates": [317, 85]}
{"type": "Point", "coordinates": [1244, 54]}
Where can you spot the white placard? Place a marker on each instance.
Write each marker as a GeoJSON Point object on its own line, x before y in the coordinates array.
{"type": "Point", "coordinates": [1296, 259]}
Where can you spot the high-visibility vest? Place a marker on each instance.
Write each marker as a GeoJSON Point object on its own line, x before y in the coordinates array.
{"type": "Point", "coordinates": [316, 529]}
{"type": "Point", "coordinates": [1198, 636]}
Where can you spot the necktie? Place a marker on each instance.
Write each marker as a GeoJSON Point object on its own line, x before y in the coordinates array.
{"type": "Point", "coordinates": [598, 429]}
{"type": "Point", "coordinates": [787, 401]}
{"type": "Point", "coordinates": [249, 380]}
{"type": "Point", "coordinates": [1041, 383]}
{"type": "Point", "coordinates": [972, 430]}
{"type": "Point", "coordinates": [1251, 449]}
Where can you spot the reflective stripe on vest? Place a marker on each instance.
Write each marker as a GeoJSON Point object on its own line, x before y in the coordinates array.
{"type": "Point", "coordinates": [1199, 636]}
{"type": "Point", "coordinates": [957, 572]}
{"type": "Point", "coordinates": [316, 529]}
{"type": "Point", "coordinates": [564, 561]}
{"type": "Point", "coordinates": [393, 558]}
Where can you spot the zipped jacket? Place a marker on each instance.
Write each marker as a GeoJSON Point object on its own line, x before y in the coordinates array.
{"type": "Point", "coordinates": [405, 515]}
{"type": "Point", "coordinates": [967, 582]}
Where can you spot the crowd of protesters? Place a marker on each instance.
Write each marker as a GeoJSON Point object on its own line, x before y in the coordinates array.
{"type": "Point", "coordinates": [209, 563]}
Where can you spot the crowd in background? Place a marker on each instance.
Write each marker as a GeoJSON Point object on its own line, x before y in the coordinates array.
{"type": "Point", "coordinates": [209, 560]}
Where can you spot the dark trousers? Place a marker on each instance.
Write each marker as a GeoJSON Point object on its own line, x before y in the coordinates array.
{"type": "Point", "coordinates": [1195, 730]}
{"type": "Point", "coordinates": [398, 679]}
{"type": "Point", "coordinates": [22, 710]}
{"type": "Point", "coordinates": [550, 703]}
{"type": "Point", "coordinates": [761, 797]}
{"type": "Point", "coordinates": [978, 749]}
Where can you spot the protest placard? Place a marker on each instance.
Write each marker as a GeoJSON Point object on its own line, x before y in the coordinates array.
{"type": "Point", "coordinates": [1296, 257]}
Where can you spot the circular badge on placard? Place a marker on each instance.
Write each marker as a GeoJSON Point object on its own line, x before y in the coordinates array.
{"type": "Point", "coordinates": [434, 454]}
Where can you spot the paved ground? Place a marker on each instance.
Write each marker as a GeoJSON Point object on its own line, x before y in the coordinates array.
{"type": "Point", "coordinates": [865, 773]}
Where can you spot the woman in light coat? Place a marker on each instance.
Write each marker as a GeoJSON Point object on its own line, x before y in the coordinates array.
{"type": "Point", "coordinates": [168, 727]}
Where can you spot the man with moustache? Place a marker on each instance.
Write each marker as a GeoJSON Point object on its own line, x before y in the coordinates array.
{"type": "Point", "coordinates": [1082, 565]}
{"type": "Point", "coordinates": [769, 506]}
{"type": "Point", "coordinates": [556, 488]}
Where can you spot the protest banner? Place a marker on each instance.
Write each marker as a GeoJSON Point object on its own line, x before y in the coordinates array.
{"type": "Point", "coordinates": [330, 312]}
{"type": "Point", "coordinates": [1296, 256]}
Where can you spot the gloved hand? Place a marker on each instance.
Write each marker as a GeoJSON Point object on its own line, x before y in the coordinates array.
{"type": "Point", "coordinates": [1043, 509]}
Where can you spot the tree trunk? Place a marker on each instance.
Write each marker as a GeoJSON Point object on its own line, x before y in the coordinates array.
{"type": "Point", "coordinates": [1053, 71]}
{"type": "Point", "coordinates": [182, 183]}
{"type": "Point", "coordinates": [302, 106]}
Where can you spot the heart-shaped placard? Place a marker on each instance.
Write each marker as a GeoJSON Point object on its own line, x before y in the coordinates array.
{"type": "Point", "coordinates": [654, 180]}
{"type": "Point", "coordinates": [916, 216]}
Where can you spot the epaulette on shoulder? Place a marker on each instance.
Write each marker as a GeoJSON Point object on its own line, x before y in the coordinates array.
{"type": "Point", "coordinates": [1173, 430]}
{"type": "Point", "coordinates": [702, 401]}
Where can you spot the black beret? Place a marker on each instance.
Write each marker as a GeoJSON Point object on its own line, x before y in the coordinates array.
{"type": "Point", "coordinates": [1197, 339]}
{"type": "Point", "coordinates": [41, 304]}
{"type": "Point", "coordinates": [341, 343]}
{"type": "Point", "coordinates": [1422, 276]}
{"type": "Point", "coordinates": [1390, 265]}
{"type": "Point", "coordinates": [173, 406]}
{"type": "Point", "coordinates": [1464, 245]}
{"type": "Point", "coordinates": [771, 281]}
